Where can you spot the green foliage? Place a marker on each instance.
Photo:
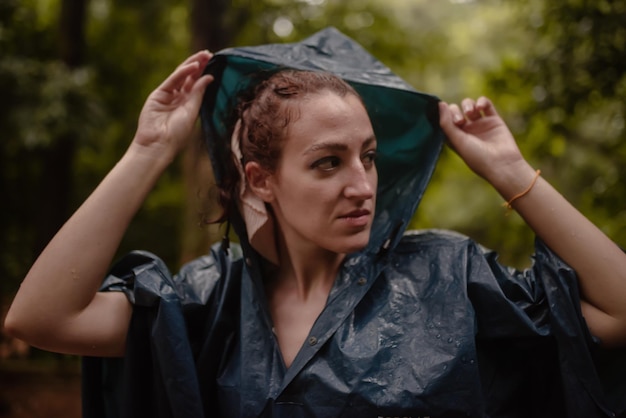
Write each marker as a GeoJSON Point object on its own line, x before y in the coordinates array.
{"type": "Point", "coordinates": [42, 98]}
{"type": "Point", "coordinates": [43, 101]}
{"type": "Point", "coordinates": [130, 48]}
{"type": "Point", "coordinates": [556, 73]}
{"type": "Point", "coordinates": [567, 97]}
{"type": "Point", "coordinates": [48, 101]}
{"type": "Point", "coordinates": [370, 22]}
{"type": "Point", "coordinates": [456, 45]}
{"type": "Point", "coordinates": [555, 69]}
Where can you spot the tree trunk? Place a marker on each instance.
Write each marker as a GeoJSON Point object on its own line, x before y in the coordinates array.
{"type": "Point", "coordinates": [58, 160]}
{"type": "Point", "coordinates": [209, 30]}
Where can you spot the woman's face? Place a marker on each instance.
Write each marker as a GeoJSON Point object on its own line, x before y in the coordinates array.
{"type": "Point", "coordinates": [324, 188]}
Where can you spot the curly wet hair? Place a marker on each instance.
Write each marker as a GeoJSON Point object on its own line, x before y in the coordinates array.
{"type": "Point", "coordinates": [265, 113]}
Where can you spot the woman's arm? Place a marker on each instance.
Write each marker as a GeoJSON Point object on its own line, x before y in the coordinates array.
{"type": "Point", "coordinates": [481, 138]}
{"type": "Point", "coordinates": [58, 307]}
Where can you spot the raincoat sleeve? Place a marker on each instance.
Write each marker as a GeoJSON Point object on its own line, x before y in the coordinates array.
{"type": "Point", "coordinates": [530, 327]}
{"type": "Point", "coordinates": [157, 375]}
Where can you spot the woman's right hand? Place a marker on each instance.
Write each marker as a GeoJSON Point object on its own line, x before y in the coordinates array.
{"type": "Point", "coordinates": [171, 110]}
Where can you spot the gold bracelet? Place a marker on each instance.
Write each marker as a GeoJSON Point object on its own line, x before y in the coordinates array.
{"type": "Point", "coordinates": [508, 204]}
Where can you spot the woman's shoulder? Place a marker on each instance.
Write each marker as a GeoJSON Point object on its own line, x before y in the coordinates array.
{"type": "Point", "coordinates": [144, 276]}
{"type": "Point", "coordinates": [199, 278]}
{"type": "Point", "coordinates": [216, 261]}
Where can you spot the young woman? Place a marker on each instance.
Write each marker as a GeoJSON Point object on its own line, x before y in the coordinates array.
{"type": "Point", "coordinates": [311, 321]}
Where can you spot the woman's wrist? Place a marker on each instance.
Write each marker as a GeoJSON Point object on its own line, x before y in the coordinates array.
{"type": "Point", "coordinates": [154, 157]}
{"type": "Point", "coordinates": [513, 180]}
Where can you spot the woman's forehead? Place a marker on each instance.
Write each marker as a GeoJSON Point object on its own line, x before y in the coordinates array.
{"type": "Point", "coordinates": [328, 118]}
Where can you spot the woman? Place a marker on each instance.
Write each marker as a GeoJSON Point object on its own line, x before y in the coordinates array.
{"type": "Point", "coordinates": [311, 322]}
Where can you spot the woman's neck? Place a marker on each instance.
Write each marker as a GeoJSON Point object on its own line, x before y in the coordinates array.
{"type": "Point", "coordinates": [306, 269]}
{"type": "Point", "coordinates": [308, 272]}
{"type": "Point", "coordinates": [297, 291]}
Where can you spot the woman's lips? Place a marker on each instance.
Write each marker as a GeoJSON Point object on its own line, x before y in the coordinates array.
{"type": "Point", "coordinates": [357, 218]}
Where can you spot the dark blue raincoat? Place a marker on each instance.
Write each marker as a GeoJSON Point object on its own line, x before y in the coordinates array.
{"type": "Point", "coordinates": [418, 324]}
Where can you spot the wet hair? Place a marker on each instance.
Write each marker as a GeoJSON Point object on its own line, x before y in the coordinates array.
{"type": "Point", "coordinates": [265, 114]}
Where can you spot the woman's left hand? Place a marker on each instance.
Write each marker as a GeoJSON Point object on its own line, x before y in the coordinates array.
{"type": "Point", "coordinates": [481, 138]}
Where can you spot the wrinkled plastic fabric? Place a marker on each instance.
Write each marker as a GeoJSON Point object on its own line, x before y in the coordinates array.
{"type": "Point", "coordinates": [422, 324]}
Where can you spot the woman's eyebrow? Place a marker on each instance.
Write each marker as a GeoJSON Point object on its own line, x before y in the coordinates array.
{"type": "Point", "coordinates": [336, 146]}
{"type": "Point", "coordinates": [369, 141]}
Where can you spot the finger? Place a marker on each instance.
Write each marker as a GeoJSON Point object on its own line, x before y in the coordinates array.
{"type": "Point", "coordinates": [470, 110]}
{"type": "Point", "coordinates": [188, 84]}
{"type": "Point", "coordinates": [447, 114]}
{"type": "Point", "coordinates": [177, 79]}
{"type": "Point", "coordinates": [201, 84]}
{"type": "Point", "coordinates": [457, 115]}
{"type": "Point", "coordinates": [200, 56]}
{"type": "Point", "coordinates": [448, 125]}
{"type": "Point", "coordinates": [191, 67]}
{"type": "Point", "coordinates": [444, 114]}
{"type": "Point", "coordinates": [486, 107]}
{"type": "Point", "coordinates": [197, 91]}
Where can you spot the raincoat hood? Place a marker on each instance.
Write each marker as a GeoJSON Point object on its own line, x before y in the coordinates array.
{"type": "Point", "coordinates": [406, 122]}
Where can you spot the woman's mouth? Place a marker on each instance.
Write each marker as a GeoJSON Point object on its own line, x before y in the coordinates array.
{"type": "Point", "coordinates": [357, 218]}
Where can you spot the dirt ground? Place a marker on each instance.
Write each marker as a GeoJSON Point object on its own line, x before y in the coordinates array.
{"type": "Point", "coordinates": [39, 395]}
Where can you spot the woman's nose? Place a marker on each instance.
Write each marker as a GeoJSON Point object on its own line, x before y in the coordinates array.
{"type": "Point", "coordinates": [361, 183]}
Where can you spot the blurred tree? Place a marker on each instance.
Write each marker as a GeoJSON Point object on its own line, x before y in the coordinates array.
{"type": "Point", "coordinates": [74, 76]}
{"type": "Point", "coordinates": [53, 101]}
{"type": "Point", "coordinates": [556, 73]}
{"type": "Point", "coordinates": [458, 43]}
{"type": "Point", "coordinates": [57, 176]}
{"type": "Point", "coordinates": [566, 98]}
{"type": "Point", "coordinates": [555, 76]}
{"type": "Point", "coordinates": [133, 46]}
{"type": "Point", "coordinates": [48, 106]}
{"type": "Point", "coordinates": [212, 29]}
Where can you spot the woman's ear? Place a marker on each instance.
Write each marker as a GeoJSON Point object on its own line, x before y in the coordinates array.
{"type": "Point", "coordinates": [259, 180]}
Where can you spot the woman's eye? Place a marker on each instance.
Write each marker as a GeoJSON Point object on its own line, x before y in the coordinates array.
{"type": "Point", "coordinates": [326, 163]}
{"type": "Point", "coordinates": [369, 158]}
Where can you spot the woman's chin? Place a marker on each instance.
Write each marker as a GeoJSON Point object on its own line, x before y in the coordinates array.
{"type": "Point", "coordinates": [353, 245]}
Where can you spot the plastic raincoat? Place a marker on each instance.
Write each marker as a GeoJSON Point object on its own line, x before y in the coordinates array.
{"type": "Point", "coordinates": [418, 324]}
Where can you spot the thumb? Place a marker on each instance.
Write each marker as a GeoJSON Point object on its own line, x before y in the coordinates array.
{"type": "Point", "coordinates": [198, 89]}
{"type": "Point", "coordinates": [452, 131]}
{"type": "Point", "coordinates": [445, 116]}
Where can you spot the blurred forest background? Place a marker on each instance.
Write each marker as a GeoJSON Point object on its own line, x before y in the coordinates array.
{"type": "Point", "coordinates": [74, 75]}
